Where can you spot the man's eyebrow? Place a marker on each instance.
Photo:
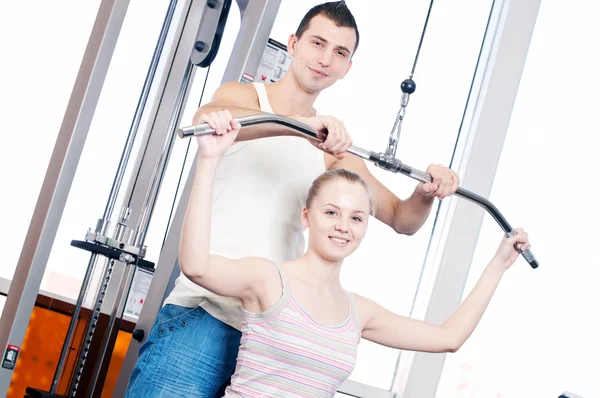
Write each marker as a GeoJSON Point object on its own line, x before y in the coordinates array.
{"type": "Point", "coordinates": [344, 48]}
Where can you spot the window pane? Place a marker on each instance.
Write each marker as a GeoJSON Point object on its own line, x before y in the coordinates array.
{"type": "Point", "coordinates": [42, 51]}
{"type": "Point", "coordinates": [538, 337]}
{"type": "Point", "coordinates": [2, 302]}
{"type": "Point", "coordinates": [104, 144]}
{"type": "Point", "coordinates": [387, 266]}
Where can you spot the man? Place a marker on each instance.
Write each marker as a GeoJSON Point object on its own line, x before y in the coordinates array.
{"type": "Point", "coordinates": [193, 346]}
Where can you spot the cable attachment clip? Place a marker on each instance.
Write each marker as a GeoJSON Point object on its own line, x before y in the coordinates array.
{"type": "Point", "coordinates": [408, 87]}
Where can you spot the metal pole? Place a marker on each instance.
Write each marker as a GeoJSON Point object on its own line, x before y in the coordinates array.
{"type": "Point", "coordinates": [126, 278]}
{"type": "Point", "coordinates": [162, 161]}
{"type": "Point", "coordinates": [135, 124]}
{"type": "Point", "coordinates": [89, 333]}
{"type": "Point", "coordinates": [73, 324]}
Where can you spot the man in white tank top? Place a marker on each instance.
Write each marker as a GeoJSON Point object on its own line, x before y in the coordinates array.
{"type": "Point", "coordinates": [259, 192]}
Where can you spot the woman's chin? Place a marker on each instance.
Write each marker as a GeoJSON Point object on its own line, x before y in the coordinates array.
{"type": "Point", "coordinates": [336, 254]}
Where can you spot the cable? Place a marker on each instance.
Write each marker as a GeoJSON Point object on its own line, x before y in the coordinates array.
{"type": "Point", "coordinates": [412, 72]}
{"type": "Point", "coordinates": [183, 167]}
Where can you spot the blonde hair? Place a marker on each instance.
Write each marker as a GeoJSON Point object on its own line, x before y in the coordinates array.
{"type": "Point", "coordinates": [339, 174]}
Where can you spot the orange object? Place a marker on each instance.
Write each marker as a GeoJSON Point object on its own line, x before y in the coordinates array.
{"type": "Point", "coordinates": [39, 352]}
{"type": "Point", "coordinates": [41, 348]}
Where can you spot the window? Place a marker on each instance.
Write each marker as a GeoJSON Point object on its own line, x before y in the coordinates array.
{"type": "Point", "coordinates": [538, 335]}
{"type": "Point", "coordinates": [42, 54]}
{"type": "Point", "coordinates": [106, 138]}
{"type": "Point", "coordinates": [2, 302]}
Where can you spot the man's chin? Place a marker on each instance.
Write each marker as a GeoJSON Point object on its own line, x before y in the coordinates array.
{"type": "Point", "coordinates": [316, 87]}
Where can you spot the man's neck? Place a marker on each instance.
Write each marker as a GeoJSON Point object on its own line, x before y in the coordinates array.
{"type": "Point", "coordinates": [288, 97]}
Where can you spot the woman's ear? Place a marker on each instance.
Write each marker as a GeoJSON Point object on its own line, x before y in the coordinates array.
{"type": "Point", "coordinates": [305, 217]}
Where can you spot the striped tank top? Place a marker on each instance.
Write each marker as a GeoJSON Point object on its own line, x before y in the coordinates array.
{"type": "Point", "coordinates": [284, 352]}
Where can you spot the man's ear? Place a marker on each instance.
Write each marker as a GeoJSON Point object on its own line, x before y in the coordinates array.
{"type": "Point", "coordinates": [292, 41]}
{"type": "Point", "coordinates": [347, 68]}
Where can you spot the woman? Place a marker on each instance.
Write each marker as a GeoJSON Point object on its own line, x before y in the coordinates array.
{"type": "Point", "coordinates": [301, 329]}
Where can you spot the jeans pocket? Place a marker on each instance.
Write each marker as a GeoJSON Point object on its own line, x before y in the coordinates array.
{"type": "Point", "coordinates": [171, 313]}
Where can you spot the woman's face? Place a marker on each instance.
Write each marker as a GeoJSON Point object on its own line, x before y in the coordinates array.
{"type": "Point", "coordinates": [337, 219]}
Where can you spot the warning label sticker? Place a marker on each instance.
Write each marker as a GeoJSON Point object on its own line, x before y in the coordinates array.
{"type": "Point", "coordinates": [247, 78]}
{"type": "Point", "coordinates": [10, 356]}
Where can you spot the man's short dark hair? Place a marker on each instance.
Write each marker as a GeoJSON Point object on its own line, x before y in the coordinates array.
{"type": "Point", "coordinates": [336, 11]}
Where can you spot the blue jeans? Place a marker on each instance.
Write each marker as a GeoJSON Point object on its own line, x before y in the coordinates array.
{"type": "Point", "coordinates": [187, 354]}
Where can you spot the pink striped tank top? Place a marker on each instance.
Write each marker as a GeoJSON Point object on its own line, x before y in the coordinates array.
{"type": "Point", "coordinates": [286, 353]}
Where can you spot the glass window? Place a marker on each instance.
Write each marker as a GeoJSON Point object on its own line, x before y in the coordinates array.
{"type": "Point", "coordinates": [538, 337]}
{"type": "Point", "coordinates": [42, 51]}
{"type": "Point", "coordinates": [2, 302]}
{"type": "Point", "coordinates": [104, 145]}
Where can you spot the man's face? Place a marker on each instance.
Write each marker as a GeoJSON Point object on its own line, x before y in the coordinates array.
{"type": "Point", "coordinates": [322, 55]}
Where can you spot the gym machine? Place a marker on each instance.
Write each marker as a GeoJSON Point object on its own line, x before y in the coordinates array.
{"type": "Point", "coordinates": [117, 249]}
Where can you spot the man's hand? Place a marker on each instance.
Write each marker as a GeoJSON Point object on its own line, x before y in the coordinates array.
{"type": "Point", "coordinates": [336, 139]}
{"type": "Point", "coordinates": [444, 182]}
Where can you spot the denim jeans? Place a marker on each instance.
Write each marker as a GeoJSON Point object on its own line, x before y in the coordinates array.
{"type": "Point", "coordinates": [187, 354]}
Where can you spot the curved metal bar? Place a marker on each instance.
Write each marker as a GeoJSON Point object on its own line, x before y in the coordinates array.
{"type": "Point", "coordinates": [383, 160]}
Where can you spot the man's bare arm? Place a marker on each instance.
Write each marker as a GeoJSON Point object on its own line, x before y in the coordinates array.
{"type": "Point", "coordinates": [235, 100]}
{"type": "Point", "coordinates": [404, 216]}
{"type": "Point", "coordinates": [241, 100]}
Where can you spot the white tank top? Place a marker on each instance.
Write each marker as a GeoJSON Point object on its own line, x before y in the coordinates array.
{"type": "Point", "coordinates": [260, 189]}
